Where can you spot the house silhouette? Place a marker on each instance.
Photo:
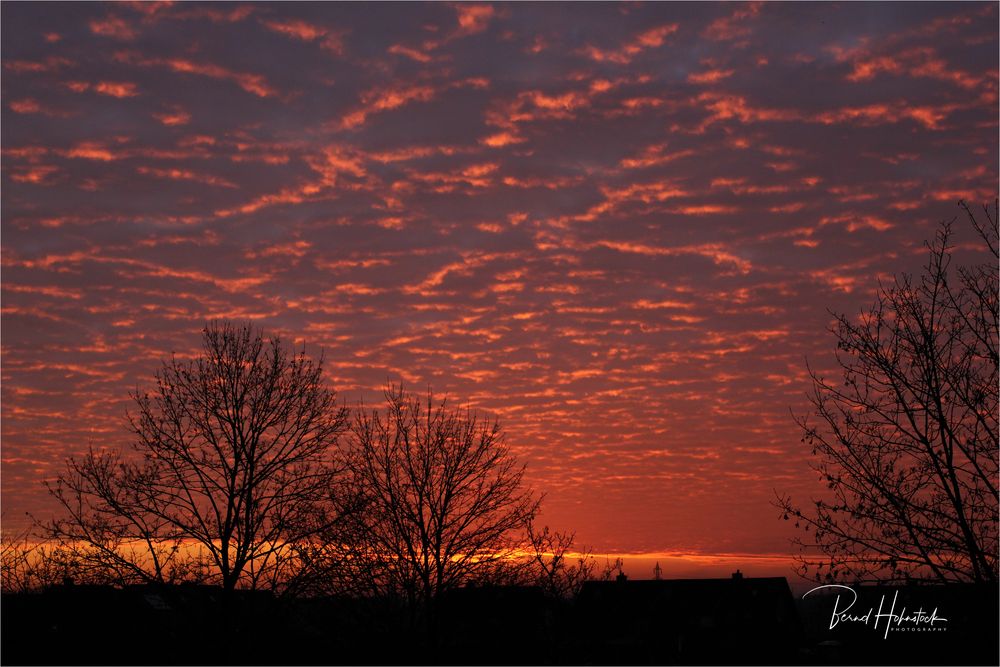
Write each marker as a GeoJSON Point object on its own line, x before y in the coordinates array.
{"type": "Point", "coordinates": [734, 620]}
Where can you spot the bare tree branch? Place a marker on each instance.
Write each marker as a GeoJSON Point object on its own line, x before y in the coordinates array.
{"type": "Point", "coordinates": [907, 440]}
{"type": "Point", "coordinates": [441, 497]}
{"type": "Point", "coordinates": [235, 456]}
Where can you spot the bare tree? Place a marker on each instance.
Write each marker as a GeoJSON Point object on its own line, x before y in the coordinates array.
{"type": "Point", "coordinates": [554, 566]}
{"type": "Point", "coordinates": [29, 564]}
{"type": "Point", "coordinates": [907, 439]}
{"type": "Point", "coordinates": [332, 559]}
{"type": "Point", "coordinates": [18, 556]}
{"type": "Point", "coordinates": [107, 533]}
{"type": "Point", "coordinates": [234, 456]}
{"type": "Point", "coordinates": [612, 569]}
{"type": "Point", "coordinates": [442, 497]}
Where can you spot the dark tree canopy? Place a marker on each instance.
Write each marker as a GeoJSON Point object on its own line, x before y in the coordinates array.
{"type": "Point", "coordinates": [906, 438]}
{"type": "Point", "coordinates": [234, 455]}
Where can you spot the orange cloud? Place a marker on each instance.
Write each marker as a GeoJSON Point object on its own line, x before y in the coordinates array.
{"type": "Point", "coordinates": [652, 38]}
{"type": "Point", "coordinates": [473, 17]}
{"type": "Point", "coordinates": [113, 26]}
{"type": "Point", "coordinates": [36, 174]}
{"type": "Point", "coordinates": [50, 64]}
{"type": "Point", "coordinates": [172, 118]}
{"type": "Point", "coordinates": [794, 207]}
{"type": "Point", "coordinates": [186, 175]}
{"type": "Point", "coordinates": [466, 264]}
{"type": "Point", "coordinates": [407, 153]}
{"type": "Point", "coordinates": [531, 106]}
{"type": "Point", "coordinates": [116, 89]}
{"type": "Point", "coordinates": [29, 105]}
{"type": "Point", "coordinates": [723, 106]}
{"type": "Point", "coordinates": [294, 249]}
{"type": "Point", "coordinates": [733, 26]}
{"type": "Point", "coordinates": [295, 28]}
{"type": "Point", "coordinates": [880, 114]}
{"type": "Point", "coordinates": [739, 186]}
{"type": "Point", "coordinates": [836, 280]}
{"type": "Point", "coordinates": [412, 54]}
{"type": "Point", "coordinates": [634, 105]}
{"type": "Point", "coordinates": [29, 153]}
{"type": "Point", "coordinates": [547, 182]}
{"type": "Point", "coordinates": [191, 11]}
{"type": "Point", "coordinates": [501, 139]}
{"type": "Point", "coordinates": [565, 102]}
{"type": "Point", "coordinates": [649, 39]}
{"type": "Point", "coordinates": [336, 160]}
{"type": "Point", "coordinates": [252, 83]}
{"type": "Point", "coordinates": [713, 251]}
{"type": "Point", "coordinates": [705, 209]}
{"type": "Point", "coordinates": [867, 69]}
{"type": "Point", "coordinates": [934, 68]}
{"type": "Point", "coordinates": [198, 140]}
{"type": "Point", "coordinates": [480, 175]}
{"type": "Point", "coordinates": [92, 150]}
{"type": "Point", "coordinates": [307, 32]}
{"type": "Point", "coordinates": [646, 304]}
{"type": "Point", "coordinates": [653, 156]}
{"type": "Point", "coordinates": [148, 7]}
{"type": "Point", "coordinates": [709, 76]}
{"type": "Point", "coordinates": [854, 222]}
{"type": "Point", "coordinates": [385, 99]}
{"type": "Point", "coordinates": [294, 195]}
{"type": "Point", "coordinates": [330, 164]}
{"type": "Point", "coordinates": [648, 193]}
{"type": "Point", "coordinates": [490, 227]}
{"type": "Point", "coordinates": [538, 44]}
{"type": "Point", "coordinates": [921, 62]}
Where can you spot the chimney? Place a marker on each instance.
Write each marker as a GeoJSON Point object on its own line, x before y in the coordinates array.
{"type": "Point", "coordinates": [737, 575]}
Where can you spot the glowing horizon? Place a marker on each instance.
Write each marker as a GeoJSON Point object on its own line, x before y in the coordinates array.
{"type": "Point", "coordinates": [678, 564]}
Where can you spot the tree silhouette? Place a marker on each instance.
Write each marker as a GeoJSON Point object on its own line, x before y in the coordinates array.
{"type": "Point", "coordinates": [907, 439]}
{"type": "Point", "coordinates": [554, 566]}
{"type": "Point", "coordinates": [441, 497]}
{"type": "Point", "coordinates": [233, 456]}
{"type": "Point", "coordinates": [24, 564]}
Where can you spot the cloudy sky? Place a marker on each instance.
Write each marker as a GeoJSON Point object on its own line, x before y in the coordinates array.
{"type": "Point", "coordinates": [618, 227]}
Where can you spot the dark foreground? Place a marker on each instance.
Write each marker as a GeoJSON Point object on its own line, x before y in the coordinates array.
{"type": "Point", "coordinates": [707, 621]}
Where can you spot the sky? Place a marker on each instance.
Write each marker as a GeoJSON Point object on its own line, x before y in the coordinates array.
{"type": "Point", "coordinates": [620, 228]}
